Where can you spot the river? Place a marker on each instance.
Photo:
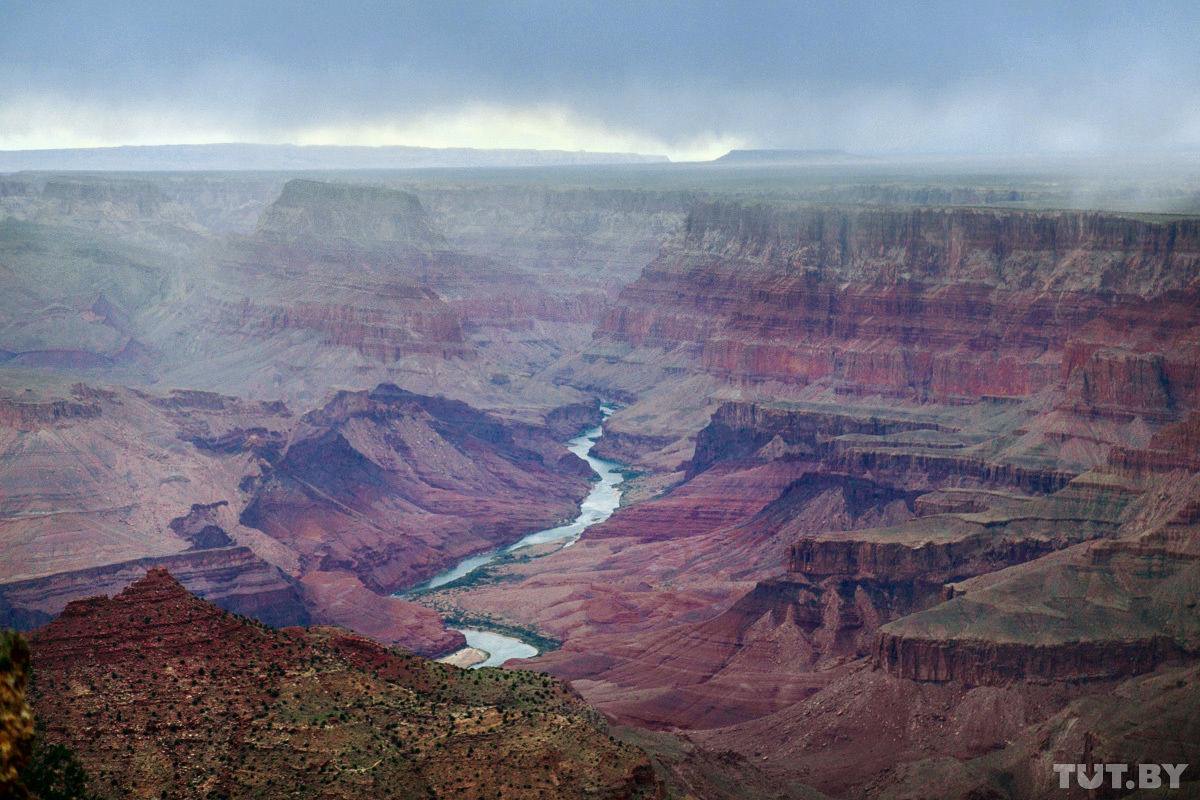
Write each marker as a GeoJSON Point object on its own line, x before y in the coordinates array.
{"type": "Point", "coordinates": [598, 506]}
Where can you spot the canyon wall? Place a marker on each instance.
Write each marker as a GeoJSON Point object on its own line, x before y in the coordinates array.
{"type": "Point", "coordinates": [951, 305]}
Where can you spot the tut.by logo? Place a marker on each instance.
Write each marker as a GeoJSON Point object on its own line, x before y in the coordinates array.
{"type": "Point", "coordinates": [1120, 776]}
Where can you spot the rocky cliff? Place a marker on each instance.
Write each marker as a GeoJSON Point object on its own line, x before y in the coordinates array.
{"type": "Point", "coordinates": [932, 469]}
{"type": "Point", "coordinates": [232, 578]}
{"type": "Point", "coordinates": [596, 237]}
{"type": "Point", "coordinates": [333, 215]}
{"type": "Point", "coordinates": [949, 305]}
{"type": "Point", "coordinates": [1017, 250]}
{"type": "Point", "coordinates": [411, 484]}
{"type": "Point", "coordinates": [223, 706]}
{"type": "Point", "coordinates": [351, 285]}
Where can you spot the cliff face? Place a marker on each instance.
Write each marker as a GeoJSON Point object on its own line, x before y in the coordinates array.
{"type": "Point", "coordinates": [1015, 250]}
{"type": "Point", "coordinates": [341, 214]}
{"type": "Point", "coordinates": [232, 578]}
{"type": "Point", "coordinates": [33, 416]}
{"type": "Point", "coordinates": [133, 469]}
{"type": "Point", "coordinates": [930, 467]}
{"type": "Point", "coordinates": [358, 265]}
{"type": "Point", "coordinates": [327, 283]}
{"type": "Point", "coordinates": [231, 707]}
{"type": "Point", "coordinates": [350, 285]}
{"type": "Point", "coordinates": [600, 238]}
{"type": "Point", "coordinates": [915, 479]}
{"type": "Point", "coordinates": [69, 296]}
{"type": "Point", "coordinates": [946, 305]}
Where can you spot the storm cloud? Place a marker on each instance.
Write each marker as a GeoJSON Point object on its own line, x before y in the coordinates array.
{"type": "Point", "coordinates": [685, 79]}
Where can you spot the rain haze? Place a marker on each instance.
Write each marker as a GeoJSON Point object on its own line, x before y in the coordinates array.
{"type": "Point", "coordinates": [686, 80]}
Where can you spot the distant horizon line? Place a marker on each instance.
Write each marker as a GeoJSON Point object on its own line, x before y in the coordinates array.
{"type": "Point", "coordinates": [831, 150]}
{"type": "Point", "coordinates": [759, 155]}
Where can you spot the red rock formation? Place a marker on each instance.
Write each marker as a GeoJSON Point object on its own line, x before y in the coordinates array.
{"type": "Point", "coordinates": [917, 304]}
{"type": "Point", "coordinates": [231, 707]}
{"type": "Point", "coordinates": [339, 598]}
{"type": "Point", "coordinates": [407, 485]}
{"type": "Point", "coordinates": [32, 416]}
{"type": "Point", "coordinates": [232, 578]}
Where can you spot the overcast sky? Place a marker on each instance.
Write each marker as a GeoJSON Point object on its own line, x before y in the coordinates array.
{"type": "Point", "coordinates": [689, 80]}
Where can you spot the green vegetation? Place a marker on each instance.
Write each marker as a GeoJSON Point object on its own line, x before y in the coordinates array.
{"type": "Point", "coordinates": [483, 576]}
{"type": "Point", "coordinates": [54, 772]}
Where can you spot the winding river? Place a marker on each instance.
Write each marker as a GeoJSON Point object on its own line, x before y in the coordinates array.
{"type": "Point", "coordinates": [598, 506]}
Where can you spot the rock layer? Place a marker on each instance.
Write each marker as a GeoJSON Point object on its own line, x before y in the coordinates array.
{"type": "Point", "coordinates": [221, 705]}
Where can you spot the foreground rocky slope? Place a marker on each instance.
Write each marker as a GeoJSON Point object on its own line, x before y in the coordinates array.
{"type": "Point", "coordinates": [162, 694]}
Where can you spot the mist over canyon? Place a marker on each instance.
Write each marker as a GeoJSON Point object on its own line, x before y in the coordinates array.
{"type": "Point", "coordinates": [909, 460]}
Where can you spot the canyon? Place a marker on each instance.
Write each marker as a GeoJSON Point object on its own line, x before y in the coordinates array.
{"type": "Point", "coordinates": [911, 487]}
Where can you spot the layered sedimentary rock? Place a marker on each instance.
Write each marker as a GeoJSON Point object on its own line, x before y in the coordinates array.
{"type": "Point", "coordinates": [280, 517]}
{"type": "Point", "coordinates": [232, 578]}
{"type": "Point", "coordinates": [95, 477]}
{"type": "Point", "coordinates": [1120, 607]}
{"type": "Point", "coordinates": [971, 432]}
{"type": "Point", "coordinates": [343, 284]}
{"type": "Point", "coordinates": [70, 297]}
{"type": "Point", "coordinates": [914, 480]}
{"type": "Point", "coordinates": [949, 305]}
{"type": "Point", "coordinates": [352, 285]}
{"type": "Point", "coordinates": [410, 484]}
{"type": "Point", "coordinates": [591, 237]}
{"type": "Point", "coordinates": [353, 263]}
{"type": "Point", "coordinates": [329, 215]}
{"type": "Point", "coordinates": [132, 210]}
{"type": "Point", "coordinates": [1033, 651]}
{"type": "Point", "coordinates": [219, 705]}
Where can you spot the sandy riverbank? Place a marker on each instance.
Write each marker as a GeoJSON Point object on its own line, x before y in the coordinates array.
{"type": "Point", "coordinates": [467, 657]}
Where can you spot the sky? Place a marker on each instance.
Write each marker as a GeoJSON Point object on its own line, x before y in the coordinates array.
{"type": "Point", "coordinates": [690, 80]}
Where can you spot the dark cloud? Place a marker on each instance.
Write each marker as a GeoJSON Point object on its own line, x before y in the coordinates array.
{"type": "Point", "coordinates": [943, 76]}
